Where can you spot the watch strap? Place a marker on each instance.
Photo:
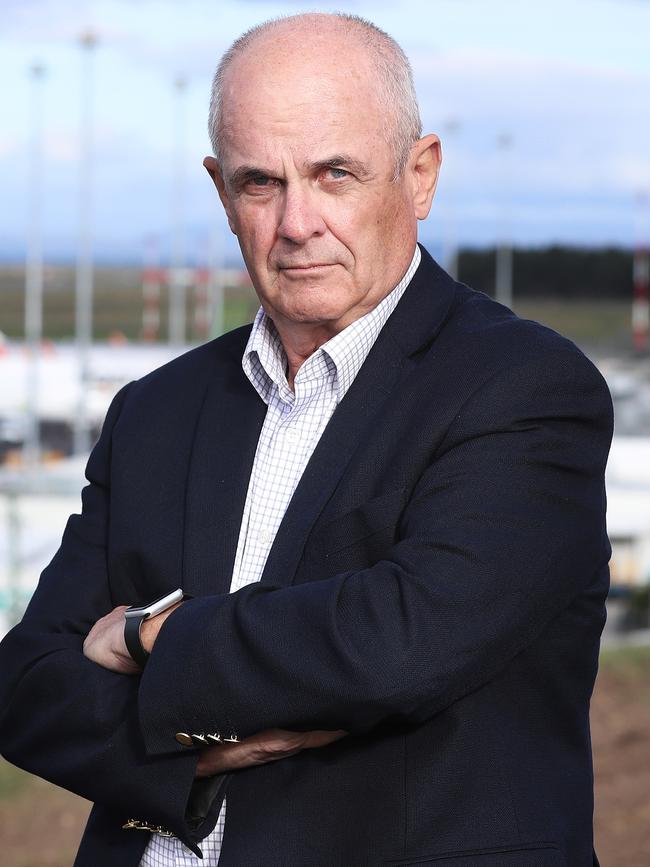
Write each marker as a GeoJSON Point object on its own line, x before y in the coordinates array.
{"type": "Point", "coordinates": [133, 641]}
{"type": "Point", "coordinates": [136, 614]}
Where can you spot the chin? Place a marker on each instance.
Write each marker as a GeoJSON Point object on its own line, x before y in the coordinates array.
{"type": "Point", "coordinates": [312, 315]}
{"type": "Point", "coordinates": [314, 304]}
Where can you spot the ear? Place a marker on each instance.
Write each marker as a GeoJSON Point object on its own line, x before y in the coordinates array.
{"type": "Point", "coordinates": [426, 157]}
{"type": "Point", "coordinates": [214, 170]}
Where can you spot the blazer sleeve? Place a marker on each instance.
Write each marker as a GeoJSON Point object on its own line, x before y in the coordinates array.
{"type": "Point", "coordinates": [503, 529]}
{"type": "Point", "coordinates": [62, 716]}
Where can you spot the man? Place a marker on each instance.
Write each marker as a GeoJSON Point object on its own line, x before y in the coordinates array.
{"type": "Point", "coordinates": [389, 518]}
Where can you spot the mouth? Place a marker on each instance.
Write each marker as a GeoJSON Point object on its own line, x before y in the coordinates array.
{"type": "Point", "coordinates": [306, 269]}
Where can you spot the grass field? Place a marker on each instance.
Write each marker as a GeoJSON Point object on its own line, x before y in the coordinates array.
{"type": "Point", "coordinates": [596, 326]}
{"type": "Point", "coordinates": [40, 825]}
{"type": "Point", "coordinates": [117, 304]}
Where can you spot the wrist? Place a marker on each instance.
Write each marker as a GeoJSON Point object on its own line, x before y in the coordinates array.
{"type": "Point", "coordinates": [152, 626]}
{"type": "Point", "coordinates": [143, 622]}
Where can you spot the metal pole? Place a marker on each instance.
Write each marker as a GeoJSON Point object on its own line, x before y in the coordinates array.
{"type": "Point", "coordinates": [84, 275]}
{"type": "Point", "coordinates": [151, 279]}
{"type": "Point", "coordinates": [34, 270]}
{"type": "Point", "coordinates": [14, 538]}
{"type": "Point", "coordinates": [452, 127]}
{"type": "Point", "coordinates": [503, 277]}
{"type": "Point", "coordinates": [178, 276]}
{"type": "Point", "coordinates": [641, 302]}
{"type": "Point", "coordinates": [216, 290]}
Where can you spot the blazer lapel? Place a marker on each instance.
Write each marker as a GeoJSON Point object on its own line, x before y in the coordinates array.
{"type": "Point", "coordinates": [413, 324]}
{"type": "Point", "coordinates": [224, 446]}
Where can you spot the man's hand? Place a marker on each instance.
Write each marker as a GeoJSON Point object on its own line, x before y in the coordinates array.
{"type": "Point", "coordinates": [105, 643]}
{"type": "Point", "coordinates": [267, 746]}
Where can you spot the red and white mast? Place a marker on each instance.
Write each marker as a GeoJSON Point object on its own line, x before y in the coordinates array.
{"type": "Point", "coordinates": [641, 300]}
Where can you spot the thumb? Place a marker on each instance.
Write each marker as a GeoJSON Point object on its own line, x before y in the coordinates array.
{"type": "Point", "coordinates": [322, 738]}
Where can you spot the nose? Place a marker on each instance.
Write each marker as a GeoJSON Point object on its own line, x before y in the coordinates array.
{"type": "Point", "coordinates": [300, 218]}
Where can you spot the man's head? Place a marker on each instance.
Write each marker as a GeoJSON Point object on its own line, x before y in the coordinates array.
{"type": "Point", "coordinates": [319, 165]}
{"type": "Point", "coordinates": [393, 75]}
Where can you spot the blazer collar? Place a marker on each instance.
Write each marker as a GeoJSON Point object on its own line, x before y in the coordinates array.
{"type": "Point", "coordinates": [422, 309]}
{"type": "Point", "coordinates": [227, 431]}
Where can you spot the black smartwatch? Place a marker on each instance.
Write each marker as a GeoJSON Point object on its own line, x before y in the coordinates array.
{"type": "Point", "coordinates": [133, 621]}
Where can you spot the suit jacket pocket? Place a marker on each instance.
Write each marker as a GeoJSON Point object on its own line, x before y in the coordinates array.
{"type": "Point", "coordinates": [533, 855]}
{"type": "Point", "coordinates": [377, 516]}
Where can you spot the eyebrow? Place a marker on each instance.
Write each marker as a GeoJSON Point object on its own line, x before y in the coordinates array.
{"type": "Point", "coordinates": [244, 173]}
{"type": "Point", "coordinates": [357, 167]}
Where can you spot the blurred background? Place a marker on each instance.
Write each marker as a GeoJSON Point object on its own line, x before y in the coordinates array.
{"type": "Point", "coordinates": [115, 256]}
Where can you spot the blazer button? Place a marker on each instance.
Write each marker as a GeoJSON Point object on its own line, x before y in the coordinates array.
{"type": "Point", "coordinates": [185, 739]}
{"type": "Point", "coordinates": [215, 738]}
{"type": "Point", "coordinates": [200, 740]}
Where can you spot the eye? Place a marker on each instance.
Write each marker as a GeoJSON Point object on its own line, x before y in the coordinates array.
{"type": "Point", "coordinates": [336, 173]}
{"type": "Point", "coordinates": [259, 184]}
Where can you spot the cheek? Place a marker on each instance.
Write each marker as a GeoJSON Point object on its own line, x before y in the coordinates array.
{"type": "Point", "coordinates": [393, 222]}
{"type": "Point", "coordinates": [256, 233]}
{"type": "Point", "coordinates": [355, 225]}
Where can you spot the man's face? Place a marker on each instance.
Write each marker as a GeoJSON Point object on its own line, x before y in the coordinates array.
{"type": "Point", "coordinates": [307, 183]}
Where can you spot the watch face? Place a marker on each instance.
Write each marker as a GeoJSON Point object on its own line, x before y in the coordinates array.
{"type": "Point", "coordinates": [155, 607]}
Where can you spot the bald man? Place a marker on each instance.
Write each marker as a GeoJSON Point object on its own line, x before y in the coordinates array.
{"type": "Point", "coordinates": [336, 593]}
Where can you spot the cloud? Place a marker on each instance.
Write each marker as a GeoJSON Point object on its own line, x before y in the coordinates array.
{"type": "Point", "coordinates": [9, 145]}
{"type": "Point", "coordinates": [574, 128]}
{"type": "Point", "coordinates": [62, 147]}
{"type": "Point", "coordinates": [576, 113]}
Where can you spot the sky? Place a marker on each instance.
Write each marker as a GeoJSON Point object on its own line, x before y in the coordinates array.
{"type": "Point", "coordinates": [564, 83]}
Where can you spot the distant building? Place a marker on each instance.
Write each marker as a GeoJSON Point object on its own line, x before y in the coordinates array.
{"type": "Point", "coordinates": [628, 511]}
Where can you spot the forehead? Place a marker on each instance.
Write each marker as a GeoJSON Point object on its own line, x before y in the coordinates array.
{"type": "Point", "coordinates": [301, 95]}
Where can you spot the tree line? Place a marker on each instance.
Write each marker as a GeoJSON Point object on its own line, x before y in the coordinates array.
{"type": "Point", "coordinates": [557, 272]}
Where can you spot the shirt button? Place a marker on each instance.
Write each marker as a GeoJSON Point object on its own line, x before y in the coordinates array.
{"type": "Point", "coordinates": [265, 536]}
{"type": "Point", "coordinates": [292, 435]}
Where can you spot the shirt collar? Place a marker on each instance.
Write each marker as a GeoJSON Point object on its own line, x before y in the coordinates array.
{"type": "Point", "coordinates": [265, 362]}
{"type": "Point", "coordinates": [349, 348]}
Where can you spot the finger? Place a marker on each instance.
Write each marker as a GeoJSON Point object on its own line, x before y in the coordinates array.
{"type": "Point", "coordinates": [267, 746]}
{"type": "Point", "coordinates": [257, 749]}
{"type": "Point", "coordinates": [228, 757]}
{"type": "Point", "coordinates": [317, 739]}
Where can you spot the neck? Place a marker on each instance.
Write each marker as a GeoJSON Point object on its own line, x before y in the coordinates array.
{"type": "Point", "coordinates": [301, 342]}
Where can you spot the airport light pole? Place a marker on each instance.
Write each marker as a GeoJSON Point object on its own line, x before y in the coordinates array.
{"type": "Point", "coordinates": [151, 280]}
{"type": "Point", "coordinates": [216, 286]}
{"type": "Point", "coordinates": [84, 272]}
{"type": "Point", "coordinates": [503, 276]}
{"type": "Point", "coordinates": [641, 301]}
{"type": "Point", "coordinates": [178, 271]}
{"type": "Point", "coordinates": [452, 127]}
{"type": "Point", "coordinates": [34, 270]}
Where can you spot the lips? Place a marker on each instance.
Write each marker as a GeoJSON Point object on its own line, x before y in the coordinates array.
{"type": "Point", "coordinates": [313, 270]}
{"type": "Point", "coordinates": [309, 267]}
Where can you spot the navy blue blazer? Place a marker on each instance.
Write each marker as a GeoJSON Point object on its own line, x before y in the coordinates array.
{"type": "Point", "coordinates": [436, 589]}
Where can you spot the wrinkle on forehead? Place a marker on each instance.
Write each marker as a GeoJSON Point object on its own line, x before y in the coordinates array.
{"type": "Point", "coordinates": [302, 64]}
